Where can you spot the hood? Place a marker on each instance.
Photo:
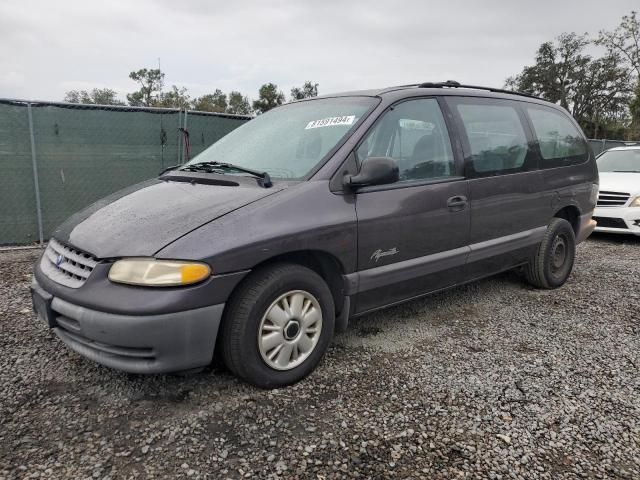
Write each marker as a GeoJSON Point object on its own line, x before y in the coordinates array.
{"type": "Point", "coordinates": [144, 218]}
{"type": "Point", "coordinates": [622, 182]}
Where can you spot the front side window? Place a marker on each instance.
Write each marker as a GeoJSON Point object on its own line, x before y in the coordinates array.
{"type": "Point", "coordinates": [289, 142]}
{"type": "Point", "coordinates": [495, 135]}
{"type": "Point", "coordinates": [414, 134]}
{"type": "Point", "coordinates": [561, 143]}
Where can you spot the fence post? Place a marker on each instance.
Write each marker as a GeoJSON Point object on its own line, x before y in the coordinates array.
{"type": "Point", "coordinates": [179, 159]}
{"type": "Point", "coordinates": [36, 183]}
{"type": "Point", "coordinates": [185, 129]}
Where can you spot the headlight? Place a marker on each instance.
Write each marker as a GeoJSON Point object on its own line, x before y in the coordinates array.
{"type": "Point", "coordinates": [158, 273]}
{"type": "Point", "coordinates": [635, 202]}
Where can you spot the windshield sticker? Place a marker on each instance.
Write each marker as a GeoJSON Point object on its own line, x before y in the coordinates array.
{"type": "Point", "coordinates": [331, 121]}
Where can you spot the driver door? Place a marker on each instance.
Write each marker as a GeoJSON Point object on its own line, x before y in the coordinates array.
{"type": "Point", "coordinates": [412, 234]}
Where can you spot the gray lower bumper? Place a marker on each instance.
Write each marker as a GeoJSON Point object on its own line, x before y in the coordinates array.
{"type": "Point", "coordinates": [140, 344]}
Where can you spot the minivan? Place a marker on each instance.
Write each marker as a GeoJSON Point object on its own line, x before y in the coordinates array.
{"type": "Point", "coordinates": [315, 212]}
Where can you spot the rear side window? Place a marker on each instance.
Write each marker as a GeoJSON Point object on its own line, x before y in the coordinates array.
{"type": "Point", "coordinates": [561, 143]}
{"type": "Point", "coordinates": [496, 138]}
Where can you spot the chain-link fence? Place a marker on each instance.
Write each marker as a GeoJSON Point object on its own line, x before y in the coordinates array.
{"type": "Point", "coordinates": [600, 146]}
{"type": "Point", "coordinates": [57, 158]}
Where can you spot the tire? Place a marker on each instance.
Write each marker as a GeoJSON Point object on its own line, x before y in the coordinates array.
{"type": "Point", "coordinates": [257, 323]}
{"type": "Point", "coordinates": [552, 263]}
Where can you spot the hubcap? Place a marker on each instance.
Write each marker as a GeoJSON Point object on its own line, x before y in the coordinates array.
{"type": "Point", "coordinates": [290, 330]}
{"type": "Point", "coordinates": [558, 253]}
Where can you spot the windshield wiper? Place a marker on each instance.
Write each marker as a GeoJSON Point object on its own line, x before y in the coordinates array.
{"type": "Point", "coordinates": [211, 167]}
{"type": "Point", "coordinates": [626, 171]}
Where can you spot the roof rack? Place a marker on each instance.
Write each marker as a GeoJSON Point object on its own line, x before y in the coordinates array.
{"type": "Point", "coordinates": [454, 84]}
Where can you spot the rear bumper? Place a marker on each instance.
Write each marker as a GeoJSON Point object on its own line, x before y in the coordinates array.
{"type": "Point", "coordinates": [138, 343]}
{"type": "Point", "coordinates": [586, 228]}
{"type": "Point", "coordinates": [618, 220]}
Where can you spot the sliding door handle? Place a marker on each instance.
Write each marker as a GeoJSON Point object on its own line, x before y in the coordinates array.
{"type": "Point", "coordinates": [459, 202]}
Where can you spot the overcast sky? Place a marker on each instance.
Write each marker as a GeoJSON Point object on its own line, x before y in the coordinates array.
{"type": "Point", "coordinates": [48, 47]}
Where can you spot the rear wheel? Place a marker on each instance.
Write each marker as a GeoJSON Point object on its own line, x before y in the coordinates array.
{"type": "Point", "coordinates": [278, 325]}
{"type": "Point", "coordinates": [552, 263]}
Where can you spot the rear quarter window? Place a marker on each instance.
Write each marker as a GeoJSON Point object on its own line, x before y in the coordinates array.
{"type": "Point", "coordinates": [561, 143]}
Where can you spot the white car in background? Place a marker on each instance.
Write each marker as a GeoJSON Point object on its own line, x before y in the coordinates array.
{"type": "Point", "coordinates": [618, 207]}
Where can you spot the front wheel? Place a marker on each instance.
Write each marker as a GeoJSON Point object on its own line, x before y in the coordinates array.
{"type": "Point", "coordinates": [552, 263]}
{"type": "Point", "coordinates": [278, 325]}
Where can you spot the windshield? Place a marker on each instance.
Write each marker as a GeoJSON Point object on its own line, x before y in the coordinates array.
{"type": "Point", "coordinates": [620, 161]}
{"type": "Point", "coordinates": [290, 141]}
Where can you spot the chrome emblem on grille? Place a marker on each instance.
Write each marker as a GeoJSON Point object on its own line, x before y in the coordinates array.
{"type": "Point", "coordinates": [59, 260]}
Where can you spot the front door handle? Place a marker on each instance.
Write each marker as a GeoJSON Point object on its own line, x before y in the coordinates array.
{"type": "Point", "coordinates": [459, 202]}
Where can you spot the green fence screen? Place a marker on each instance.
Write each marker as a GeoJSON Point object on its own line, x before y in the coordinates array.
{"type": "Point", "coordinates": [82, 153]}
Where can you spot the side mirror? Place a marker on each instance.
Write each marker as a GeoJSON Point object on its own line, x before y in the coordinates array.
{"type": "Point", "coordinates": [374, 171]}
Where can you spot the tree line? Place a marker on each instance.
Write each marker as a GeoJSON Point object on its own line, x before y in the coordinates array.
{"type": "Point", "coordinates": [151, 93]}
{"type": "Point", "coordinates": [601, 92]}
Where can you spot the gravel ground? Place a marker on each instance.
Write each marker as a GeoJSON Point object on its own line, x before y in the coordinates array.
{"type": "Point", "coordinates": [490, 380]}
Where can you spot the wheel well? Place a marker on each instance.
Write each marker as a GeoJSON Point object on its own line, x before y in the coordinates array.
{"type": "Point", "coordinates": [324, 264]}
{"type": "Point", "coordinates": [572, 215]}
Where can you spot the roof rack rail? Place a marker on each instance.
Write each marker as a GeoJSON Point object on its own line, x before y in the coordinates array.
{"type": "Point", "coordinates": [454, 84]}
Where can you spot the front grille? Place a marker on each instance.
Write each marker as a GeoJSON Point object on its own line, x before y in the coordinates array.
{"type": "Point", "coordinates": [65, 265]}
{"type": "Point", "coordinates": [608, 222]}
{"type": "Point", "coordinates": [612, 199]}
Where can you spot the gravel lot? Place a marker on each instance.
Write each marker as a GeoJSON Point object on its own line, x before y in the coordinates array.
{"type": "Point", "coordinates": [490, 380]}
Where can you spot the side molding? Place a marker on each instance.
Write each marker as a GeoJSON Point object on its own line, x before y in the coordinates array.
{"type": "Point", "coordinates": [377, 277]}
{"type": "Point", "coordinates": [382, 276]}
{"type": "Point", "coordinates": [502, 245]}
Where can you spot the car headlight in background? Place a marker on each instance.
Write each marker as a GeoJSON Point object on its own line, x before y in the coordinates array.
{"type": "Point", "coordinates": [158, 273]}
{"type": "Point", "coordinates": [635, 202]}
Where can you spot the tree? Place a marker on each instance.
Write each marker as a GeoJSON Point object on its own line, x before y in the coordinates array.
{"type": "Point", "coordinates": [558, 67]}
{"type": "Point", "coordinates": [596, 92]}
{"type": "Point", "coordinates": [175, 98]}
{"type": "Point", "coordinates": [151, 82]}
{"type": "Point", "coordinates": [603, 96]}
{"type": "Point", "coordinates": [308, 90]}
{"type": "Point", "coordinates": [269, 97]}
{"type": "Point", "coordinates": [213, 102]}
{"type": "Point", "coordinates": [634, 108]}
{"type": "Point", "coordinates": [625, 41]}
{"type": "Point", "coordinates": [97, 96]}
{"type": "Point", "coordinates": [239, 104]}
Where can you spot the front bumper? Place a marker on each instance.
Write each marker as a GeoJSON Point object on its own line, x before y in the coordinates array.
{"type": "Point", "coordinates": [157, 343]}
{"type": "Point", "coordinates": [618, 220]}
